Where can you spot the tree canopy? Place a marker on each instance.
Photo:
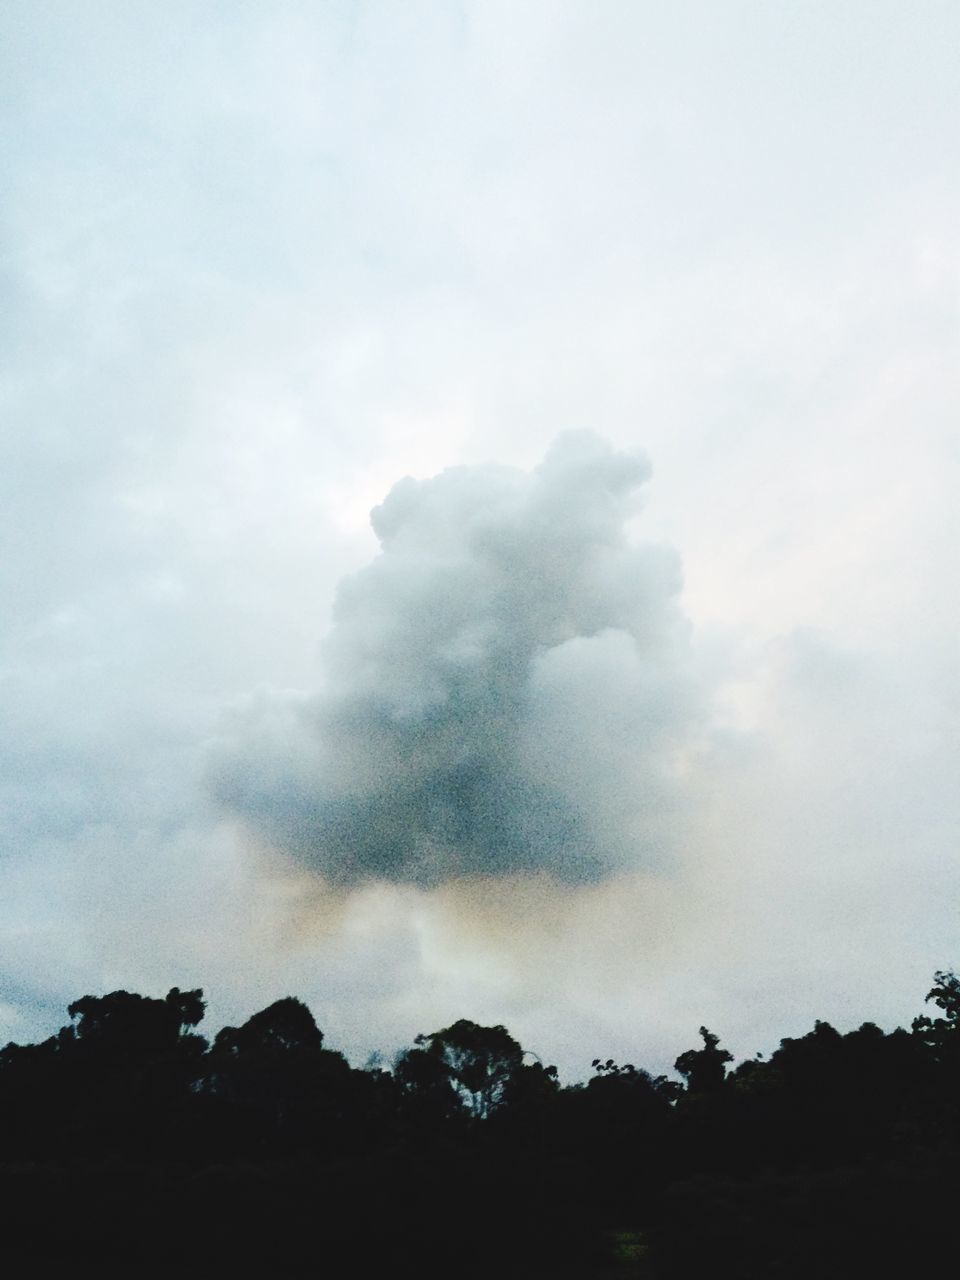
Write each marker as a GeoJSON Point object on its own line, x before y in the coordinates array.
{"type": "Point", "coordinates": [828, 1157]}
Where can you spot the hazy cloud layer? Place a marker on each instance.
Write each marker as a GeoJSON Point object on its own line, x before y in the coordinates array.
{"type": "Point", "coordinates": [507, 688]}
{"type": "Point", "coordinates": [257, 261]}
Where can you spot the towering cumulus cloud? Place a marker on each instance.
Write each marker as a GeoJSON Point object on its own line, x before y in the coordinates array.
{"type": "Point", "coordinates": [506, 689]}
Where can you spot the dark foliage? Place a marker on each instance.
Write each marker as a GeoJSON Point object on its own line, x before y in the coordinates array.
{"type": "Point", "coordinates": [131, 1143]}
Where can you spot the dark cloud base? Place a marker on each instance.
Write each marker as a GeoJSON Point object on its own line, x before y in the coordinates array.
{"type": "Point", "coordinates": [506, 689]}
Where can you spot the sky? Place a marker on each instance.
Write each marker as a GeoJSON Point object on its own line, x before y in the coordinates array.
{"type": "Point", "coordinates": [478, 514]}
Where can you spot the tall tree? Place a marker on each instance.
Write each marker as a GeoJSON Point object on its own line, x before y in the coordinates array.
{"type": "Point", "coordinates": [705, 1069]}
{"type": "Point", "coordinates": [480, 1062]}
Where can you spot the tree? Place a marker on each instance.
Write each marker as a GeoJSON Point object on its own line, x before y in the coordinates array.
{"type": "Point", "coordinates": [285, 1026]}
{"type": "Point", "coordinates": [272, 1084]}
{"type": "Point", "coordinates": [123, 1024]}
{"type": "Point", "coordinates": [424, 1079]}
{"type": "Point", "coordinates": [705, 1069]}
{"type": "Point", "coordinates": [942, 1035]}
{"type": "Point", "coordinates": [946, 994]}
{"type": "Point", "coordinates": [629, 1085]}
{"type": "Point", "coordinates": [479, 1062]}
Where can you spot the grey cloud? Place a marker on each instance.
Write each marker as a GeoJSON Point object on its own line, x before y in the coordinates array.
{"type": "Point", "coordinates": [507, 688]}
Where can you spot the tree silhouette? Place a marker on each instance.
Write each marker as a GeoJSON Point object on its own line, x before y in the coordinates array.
{"type": "Point", "coordinates": [942, 1035]}
{"type": "Point", "coordinates": [830, 1157]}
{"type": "Point", "coordinates": [126, 1024]}
{"type": "Point", "coordinates": [705, 1069]}
{"type": "Point", "coordinates": [479, 1062]}
{"type": "Point", "coordinates": [286, 1026]}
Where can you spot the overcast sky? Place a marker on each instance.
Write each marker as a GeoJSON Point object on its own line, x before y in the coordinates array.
{"type": "Point", "coordinates": [636, 705]}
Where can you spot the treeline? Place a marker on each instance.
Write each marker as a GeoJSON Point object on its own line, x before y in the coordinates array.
{"type": "Point", "coordinates": [130, 1142]}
